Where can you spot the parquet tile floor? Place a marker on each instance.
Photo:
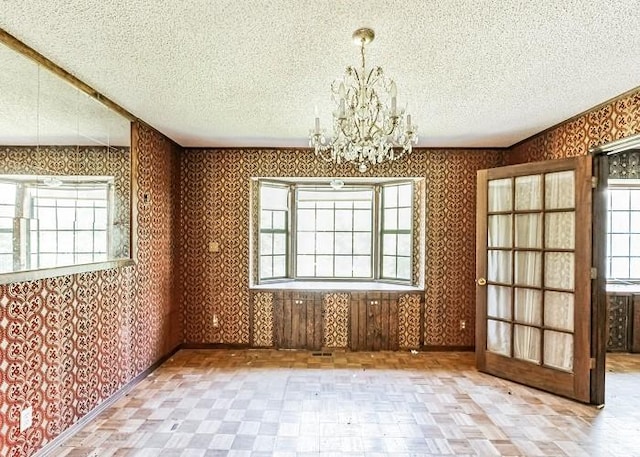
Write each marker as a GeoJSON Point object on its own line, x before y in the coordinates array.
{"type": "Point", "coordinates": [291, 403]}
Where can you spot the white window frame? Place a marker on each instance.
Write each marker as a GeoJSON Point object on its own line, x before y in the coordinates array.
{"type": "Point", "coordinates": [634, 186]}
{"type": "Point", "coordinates": [376, 233]}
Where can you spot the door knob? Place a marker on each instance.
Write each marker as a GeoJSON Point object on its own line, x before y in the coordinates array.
{"type": "Point", "coordinates": [481, 281]}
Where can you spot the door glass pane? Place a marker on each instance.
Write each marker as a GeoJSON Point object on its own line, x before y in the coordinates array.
{"type": "Point", "coordinates": [559, 270]}
{"type": "Point", "coordinates": [528, 307]}
{"type": "Point", "coordinates": [500, 195]}
{"type": "Point", "coordinates": [499, 301]}
{"type": "Point", "coordinates": [558, 310]}
{"type": "Point", "coordinates": [559, 191]}
{"type": "Point", "coordinates": [526, 343]}
{"type": "Point", "coordinates": [558, 350]}
{"type": "Point", "coordinates": [560, 230]}
{"type": "Point", "coordinates": [499, 231]}
{"type": "Point", "coordinates": [499, 337]}
{"type": "Point", "coordinates": [499, 266]}
{"type": "Point", "coordinates": [529, 231]}
{"type": "Point", "coordinates": [528, 192]}
{"type": "Point", "coordinates": [528, 268]}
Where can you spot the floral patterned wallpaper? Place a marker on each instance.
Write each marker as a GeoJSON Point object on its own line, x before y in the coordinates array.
{"type": "Point", "coordinates": [67, 343]}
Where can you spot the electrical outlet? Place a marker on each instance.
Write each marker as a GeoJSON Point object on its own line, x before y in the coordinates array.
{"type": "Point", "coordinates": [26, 418]}
{"type": "Point", "coordinates": [463, 324]}
{"type": "Point", "coordinates": [215, 321]}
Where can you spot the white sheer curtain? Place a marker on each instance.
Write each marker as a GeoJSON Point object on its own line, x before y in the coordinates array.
{"type": "Point", "coordinates": [559, 269]}
{"type": "Point", "coordinates": [499, 266]}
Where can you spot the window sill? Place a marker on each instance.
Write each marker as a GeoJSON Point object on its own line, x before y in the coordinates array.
{"type": "Point", "coordinates": [32, 275]}
{"type": "Point", "coordinates": [337, 285]}
{"type": "Point", "coordinates": [623, 288]}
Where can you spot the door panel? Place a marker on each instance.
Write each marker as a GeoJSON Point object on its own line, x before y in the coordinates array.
{"type": "Point", "coordinates": [533, 297]}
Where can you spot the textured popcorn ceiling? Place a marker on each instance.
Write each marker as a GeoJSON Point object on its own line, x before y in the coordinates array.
{"type": "Point", "coordinates": [249, 73]}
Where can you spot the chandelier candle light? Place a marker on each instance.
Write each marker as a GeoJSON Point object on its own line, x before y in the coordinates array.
{"type": "Point", "coordinates": [366, 130]}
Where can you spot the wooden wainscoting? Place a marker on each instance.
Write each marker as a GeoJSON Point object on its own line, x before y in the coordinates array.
{"type": "Point", "coordinates": [354, 320]}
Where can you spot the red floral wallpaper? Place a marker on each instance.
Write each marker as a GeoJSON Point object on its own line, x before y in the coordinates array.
{"type": "Point", "coordinates": [67, 343]}
{"type": "Point", "coordinates": [215, 203]}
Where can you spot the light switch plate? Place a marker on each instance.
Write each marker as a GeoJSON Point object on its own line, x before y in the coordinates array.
{"type": "Point", "coordinates": [26, 418]}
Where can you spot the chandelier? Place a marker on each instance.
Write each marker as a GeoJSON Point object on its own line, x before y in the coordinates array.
{"type": "Point", "coordinates": [366, 130]}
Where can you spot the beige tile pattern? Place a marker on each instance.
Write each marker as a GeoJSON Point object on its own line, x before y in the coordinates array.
{"type": "Point", "coordinates": [292, 403]}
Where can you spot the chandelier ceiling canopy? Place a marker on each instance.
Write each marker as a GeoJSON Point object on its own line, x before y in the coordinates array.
{"type": "Point", "coordinates": [368, 126]}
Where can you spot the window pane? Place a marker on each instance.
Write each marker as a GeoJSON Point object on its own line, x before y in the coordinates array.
{"type": "Point", "coordinates": [389, 266]}
{"type": "Point", "coordinates": [404, 244]}
{"type": "Point", "coordinates": [634, 268]}
{"type": "Point", "coordinates": [499, 337]}
{"type": "Point", "coordinates": [529, 230]}
{"type": "Point", "coordinates": [100, 218]}
{"type": "Point", "coordinates": [635, 199]}
{"type": "Point", "coordinates": [499, 266]}
{"type": "Point", "coordinates": [324, 265]}
{"type": "Point", "coordinates": [84, 241]}
{"type": "Point", "coordinates": [619, 267]}
{"type": "Point", "coordinates": [619, 245]}
{"type": "Point", "coordinates": [279, 266]}
{"type": "Point", "coordinates": [344, 220]}
{"type": "Point", "coordinates": [560, 230]}
{"type": "Point", "coordinates": [619, 199]}
{"type": "Point", "coordinates": [85, 218]}
{"type": "Point", "coordinates": [526, 343]}
{"type": "Point", "coordinates": [499, 231]}
{"type": "Point", "coordinates": [266, 244]}
{"type": "Point", "coordinates": [306, 243]}
{"type": "Point", "coordinates": [362, 243]}
{"type": "Point", "coordinates": [324, 243]}
{"type": "Point", "coordinates": [274, 197]}
{"type": "Point", "coordinates": [404, 219]}
{"type": "Point", "coordinates": [362, 220]}
{"type": "Point", "coordinates": [635, 220]}
{"type": "Point", "coordinates": [324, 219]}
{"type": "Point", "coordinates": [361, 266]}
{"type": "Point", "coordinates": [528, 307]}
{"type": "Point", "coordinates": [499, 301]}
{"type": "Point", "coordinates": [47, 218]}
{"type": "Point", "coordinates": [528, 268]}
{"type": "Point", "coordinates": [48, 241]}
{"type": "Point", "coordinates": [559, 190]}
{"type": "Point", "coordinates": [344, 244]}
{"type": "Point", "coordinates": [84, 258]}
{"type": "Point", "coordinates": [279, 243]}
{"type": "Point", "coordinates": [389, 244]}
{"type": "Point", "coordinates": [7, 193]}
{"type": "Point", "coordinates": [266, 270]}
{"type": "Point", "coordinates": [100, 241]}
{"type": "Point", "coordinates": [306, 219]}
{"type": "Point", "coordinates": [343, 266]}
{"type": "Point", "coordinates": [66, 218]}
{"type": "Point", "coordinates": [619, 222]}
{"type": "Point", "coordinates": [306, 265]}
{"type": "Point", "coordinates": [65, 241]}
{"type": "Point", "coordinates": [390, 196]}
{"type": "Point", "coordinates": [279, 220]}
{"type": "Point", "coordinates": [528, 192]}
{"type": "Point", "coordinates": [404, 194]}
{"type": "Point", "coordinates": [500, 195]}
{"type": "Point", "coordinates": [390, 219]}
{"type": "Point", "coordinates": [6, 242]}
{"type": "Point", "coordinates": [6, 223]}
{"type": "Point", "coordinates": [634, 245]}
{"type": "Point", "coordinates": [7, 211]}
{"type": "Point", "coordinates": [558, 350]}
{"type": "Point", "coordinates": [403, 268]}
{"type": "Point", "coordinates": [559, 271]}
{"type": "Point", "coordinates": [6, 262]}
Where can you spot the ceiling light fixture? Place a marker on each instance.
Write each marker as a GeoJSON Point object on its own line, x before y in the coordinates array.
{"type": "Point", "coordinates": [367, 131]}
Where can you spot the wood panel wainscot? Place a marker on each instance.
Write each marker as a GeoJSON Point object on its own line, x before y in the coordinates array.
{"type": "Point", "coordinates": [623, 311]}
{"type": "Point", "coordinates": [325, 320]}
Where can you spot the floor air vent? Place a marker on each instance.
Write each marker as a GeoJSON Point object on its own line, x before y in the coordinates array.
{"type": "Point", "coordinates": [322, 354]}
